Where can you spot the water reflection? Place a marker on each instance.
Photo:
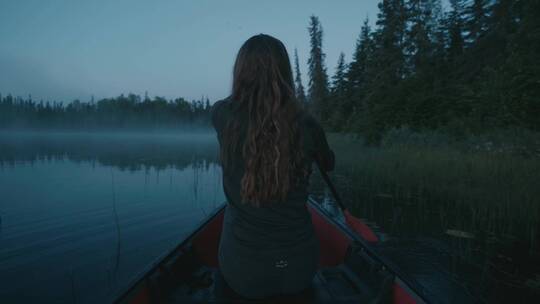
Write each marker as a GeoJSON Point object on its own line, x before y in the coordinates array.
{"type": "Point", "coordinates": [131, 152]}
{"type": "Point", "coordinates": [83, 213]}
{"type": "Point", "coordinates": [118, 236]}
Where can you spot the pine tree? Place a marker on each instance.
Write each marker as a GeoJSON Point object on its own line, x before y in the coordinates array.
{"type": "Point", "coordinates": [337, 94]}
{"type": "Point", "coordinates": [299, 87]}
{"type": "Point", "coordinates": [439, 32]}
{"type": "Point", "coordinates": [390, 38]}
{"type": "Point", "coordinates": [381, 106]}
{"type": "Point", "coordinates": [356, 74]}
{"type": "Point", "coordinates": [318, 79]}
{"type": "Point", "coordinates": [504, 14]}
{"type": "Point", "coordinates": [455, 29]}
{"type": "Point", "coordinates": [421, 34]}
{"type": "Point", "coordinates": [207, 104]}
{"type": "Point", "coordinates": [338, 80]}
{"type": "Point", "coordinates": [476, 19]}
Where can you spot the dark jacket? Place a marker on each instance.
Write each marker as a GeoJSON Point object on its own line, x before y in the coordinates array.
{"type": "Point", "coordinates": [270, 249]}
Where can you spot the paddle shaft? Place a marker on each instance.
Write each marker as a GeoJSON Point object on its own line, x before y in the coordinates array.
{"type": "Point", "coordinates": [330, 185]}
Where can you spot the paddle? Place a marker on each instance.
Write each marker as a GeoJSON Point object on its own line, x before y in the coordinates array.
{"type": "Point", "coordinates": [354, 223]}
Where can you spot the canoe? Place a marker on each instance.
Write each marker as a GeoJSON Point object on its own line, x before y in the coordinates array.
{"type": "Point", "coordinates": [350, 270]}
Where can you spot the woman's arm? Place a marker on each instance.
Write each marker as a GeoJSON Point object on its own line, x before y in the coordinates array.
{"type": "Point", "coordinates": [325, 155]}
{"type": "Point", "coordinates": [322, 152]}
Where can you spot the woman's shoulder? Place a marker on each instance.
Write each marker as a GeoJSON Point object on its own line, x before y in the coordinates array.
{"type": "Point", "coordinates": [222, 102]}
{"type": "Point", "coordinates": [218, 111]}
{"type": "Point", "coordinates": [220, 105]}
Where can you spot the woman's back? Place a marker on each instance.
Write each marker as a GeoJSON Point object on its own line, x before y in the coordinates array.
{"type": "Point", "coordinates": [267, 144]}
{"type": "Point", "coordinates": [273, 244]}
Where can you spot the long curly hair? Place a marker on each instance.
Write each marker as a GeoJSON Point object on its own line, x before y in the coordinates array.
{"type": "Point", "coordinates": [263, 96]}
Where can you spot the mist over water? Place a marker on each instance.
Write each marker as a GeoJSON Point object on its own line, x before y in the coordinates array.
{"type": "Point", "coordinates": [83, 213]}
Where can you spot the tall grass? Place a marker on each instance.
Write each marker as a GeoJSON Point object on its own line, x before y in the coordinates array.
{"type": "Point", "coordinates": [418, 186]}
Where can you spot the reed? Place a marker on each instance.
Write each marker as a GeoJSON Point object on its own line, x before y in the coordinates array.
{"type": "Point", "coordinates": [440, 187]}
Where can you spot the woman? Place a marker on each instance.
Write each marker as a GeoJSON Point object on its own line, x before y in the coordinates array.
{"type": "Point", "coordinates": [267, 145]}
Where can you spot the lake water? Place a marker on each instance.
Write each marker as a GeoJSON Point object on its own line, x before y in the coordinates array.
{"type": "Point", "coordinates": [81, 214]}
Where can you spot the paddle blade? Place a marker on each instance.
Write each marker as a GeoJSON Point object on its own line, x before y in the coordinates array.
{"type": "Point", "coordinates": [360, 227]}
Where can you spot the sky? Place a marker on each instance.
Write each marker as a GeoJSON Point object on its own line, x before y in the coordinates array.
{"type": "Point", "coordinates": [61, 50]}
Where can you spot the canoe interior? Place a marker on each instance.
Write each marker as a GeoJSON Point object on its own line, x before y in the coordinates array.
{"type": "Point", "coordinates": [347, 274]}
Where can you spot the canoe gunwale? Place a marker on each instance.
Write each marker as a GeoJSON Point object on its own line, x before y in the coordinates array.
{"type": "Point", "coordinates": [147, 271]}
{"type": "Point", "coordinates": [368, 251]}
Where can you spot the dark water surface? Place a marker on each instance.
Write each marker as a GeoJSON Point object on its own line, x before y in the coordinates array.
{"type": "Point", "coordinates": [81, 214]}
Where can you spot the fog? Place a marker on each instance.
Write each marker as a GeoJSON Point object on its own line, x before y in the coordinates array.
{"type": "Point", "coordinates": [123, 149]}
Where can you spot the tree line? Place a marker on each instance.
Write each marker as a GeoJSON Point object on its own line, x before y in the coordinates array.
{"type": "Point", "coordinates": [468, 69]}
{"type": "Point", "coordinates": [465, 70]}
{"type": "Point", "coordinates": [131, 111]}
